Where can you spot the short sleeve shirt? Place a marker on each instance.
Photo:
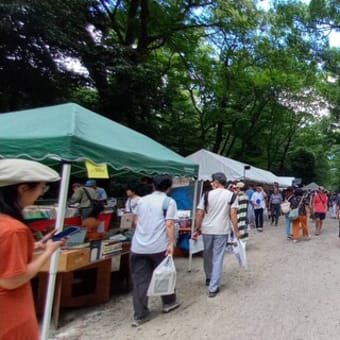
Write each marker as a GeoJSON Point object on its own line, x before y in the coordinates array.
{"type": "Point", "coordinates": [131, 204]}
{"type": "Point", "coordinates": [216, 220]}
{"type": "Point", "coordinates": [101, 194]}
{"type": "Point", "coordinates": [16, 251]}
{"type": "Point", "coordinates": [320, 202]}
{"type": "Point", "coordinates": [150, 236]}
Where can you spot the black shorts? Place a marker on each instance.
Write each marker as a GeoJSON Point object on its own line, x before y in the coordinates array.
{"type": "Point", "coordinates": [320, 216]}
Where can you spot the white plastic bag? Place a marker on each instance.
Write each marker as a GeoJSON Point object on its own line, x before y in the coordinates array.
{"type": "Point", "coordinates": [196, 246]}
{"type": "Point", "coordinates": [240, 252]}
{"type": "Point", "coordinates": [163, 281]}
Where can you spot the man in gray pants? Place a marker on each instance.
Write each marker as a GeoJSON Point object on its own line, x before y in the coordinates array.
{"type": "Point", "coordinates": [215, 213]}
{"type": "Point", "coordinates": [153, 240]}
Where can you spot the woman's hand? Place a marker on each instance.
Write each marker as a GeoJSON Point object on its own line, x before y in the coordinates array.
{"type": "Point", "coordinates": [42, 243]}
{"type": "Point", "coordinates": [51, 246]}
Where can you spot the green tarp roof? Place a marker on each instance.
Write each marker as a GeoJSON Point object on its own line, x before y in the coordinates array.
{"type": "Point", "coordinates": [72, 133]}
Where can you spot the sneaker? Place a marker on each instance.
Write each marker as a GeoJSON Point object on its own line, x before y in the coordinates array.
{"type": "Point", "coordinates": [295, 240]}
{"type": "Point", "coordinates": [138, 322]}
{"type": "Point", "coordinates": [213, 294]}
{"type": "Point", "coordinates": [260, 229]}
{"type": "Point", "coordinates": [289, 237]}
{"type": "Point", "coordinates": [170, 306]}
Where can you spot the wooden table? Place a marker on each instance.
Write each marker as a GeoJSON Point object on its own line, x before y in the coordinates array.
{"type": "Point", "coordinates": [84, 286]}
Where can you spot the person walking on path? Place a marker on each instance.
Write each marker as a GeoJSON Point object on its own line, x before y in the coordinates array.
{"type": "Point", "coordinates": [22, 182]}
{"type": "Point", "coordinates": [275, 200]}
{"type": "Point", "coordinates": [288, 194]}
{"type": "Point", "coordinates": [216, 211]}
{"type": "Point", "coordinates": [258, 199]}
{"type": "Point", "coordinates": [242, 211]}
{"type": "Point", "coordinates": [319, 204]}
{"type": "Point", "coordinates": [338, 209]}
{"type": "Point", "coordinates": [300, 201]}
{"type": "Point", "coordinates": [153, 240]}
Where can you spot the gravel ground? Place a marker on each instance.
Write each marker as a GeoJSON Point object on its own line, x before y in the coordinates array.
{"type": "Point", "coordinates": [289, 292]}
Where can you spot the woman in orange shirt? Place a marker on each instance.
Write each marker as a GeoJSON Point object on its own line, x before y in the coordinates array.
{"type": "Point", "coordinates": [319, 204]}
{"type": "Point", "coordinates": [21, 183]}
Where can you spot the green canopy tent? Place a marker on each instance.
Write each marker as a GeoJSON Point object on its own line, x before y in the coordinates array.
{"type": "Point", "coordinates": [72, 133]}
{"type": "Point", "coordinates": [68, 134]}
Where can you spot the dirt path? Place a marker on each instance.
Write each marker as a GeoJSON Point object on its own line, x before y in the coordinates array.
{"type": "Point", "coordinates": [289, 292]}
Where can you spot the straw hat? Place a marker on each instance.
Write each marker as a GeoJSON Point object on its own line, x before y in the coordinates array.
{"type": "Point", "coordinates": [15, 171]}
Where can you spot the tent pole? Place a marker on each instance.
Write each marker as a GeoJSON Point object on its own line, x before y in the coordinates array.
{"type": "Point", "coordinates": [65, 179]}
{"type": "Point", "coordinates": [194, 203]}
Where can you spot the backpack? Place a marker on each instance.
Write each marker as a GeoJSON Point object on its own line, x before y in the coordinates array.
{"type": "Point", "coordinates": [165, 205]}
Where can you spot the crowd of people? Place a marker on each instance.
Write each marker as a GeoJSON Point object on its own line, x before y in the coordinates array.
{"type": "Point", "coordinates": [227, 211]}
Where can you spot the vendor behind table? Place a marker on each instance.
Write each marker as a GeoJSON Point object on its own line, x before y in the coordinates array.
{"type": "Point", "coordinates": [79, 196]}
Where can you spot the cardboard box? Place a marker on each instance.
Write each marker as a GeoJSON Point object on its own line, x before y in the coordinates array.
{"type": "Point", "coordinates": [126, 221]}
{"type": "Point", "coordinates": [69, 260]}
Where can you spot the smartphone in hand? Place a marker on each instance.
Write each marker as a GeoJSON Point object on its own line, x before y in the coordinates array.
{"type": "Point", "coordinates": [64, 233]}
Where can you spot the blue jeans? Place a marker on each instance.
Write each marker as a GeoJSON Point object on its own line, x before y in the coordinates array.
{"type": "Point", "coordinates": [287, 225]}
{"type": "Point", "coordinates": [213, 255]}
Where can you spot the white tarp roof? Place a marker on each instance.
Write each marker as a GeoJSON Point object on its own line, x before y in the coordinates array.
{"type": "Point", "coordinates": [210, 163]}
{"type": "Point", "coordinates": [311, 186]}
{"type": "Point", "coordinates": [286, 181]}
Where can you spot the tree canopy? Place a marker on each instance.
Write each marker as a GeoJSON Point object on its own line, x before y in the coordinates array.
{"type": "Point", "coordinates": [260, 86]}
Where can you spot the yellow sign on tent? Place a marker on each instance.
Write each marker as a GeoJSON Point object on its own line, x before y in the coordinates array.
{"type": "Point", "coordinates": [96, 170]}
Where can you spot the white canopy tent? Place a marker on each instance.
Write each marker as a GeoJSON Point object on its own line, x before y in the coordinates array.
{"type": "Point", "coordinates": [286, 181]}
{"type": "Point", "coordinates": [311, 186]}
{"type": "Point", "coordinates": [210, 163]}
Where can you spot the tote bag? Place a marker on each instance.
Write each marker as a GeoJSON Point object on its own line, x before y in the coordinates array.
{"type": "Point", "coordinates": [293, 214]}
{"type": "Point", "coordinates": [285, 207]}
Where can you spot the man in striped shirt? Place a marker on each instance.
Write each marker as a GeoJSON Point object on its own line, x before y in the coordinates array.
{"type": "Point", "coordinates": [243, 201]}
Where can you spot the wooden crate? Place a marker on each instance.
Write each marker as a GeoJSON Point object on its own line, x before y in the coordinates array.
{"type": "Point", "coordinates": [69, 259]}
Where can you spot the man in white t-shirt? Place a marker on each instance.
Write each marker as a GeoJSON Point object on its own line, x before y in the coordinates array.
{"type": "Point", "coordinates": [216, 215]}
{"type": "Point", "coordinates": [153, 240]}
{"type": "Point", "coordinates": [258, 200]}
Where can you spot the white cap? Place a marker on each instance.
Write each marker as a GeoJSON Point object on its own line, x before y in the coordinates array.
{"type": "Point", "coordinates": [15, 171]}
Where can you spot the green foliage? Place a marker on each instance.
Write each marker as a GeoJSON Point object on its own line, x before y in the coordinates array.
{"type": "Point", "coordinates": [222, 75]}
{"type": "Point", "coordinates": [302, 165]}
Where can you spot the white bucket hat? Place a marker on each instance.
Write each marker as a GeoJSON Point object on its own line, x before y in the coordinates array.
{"type": "Point", "coordinates": [15, 171]}
{"type": "Point", "coordinates": [240, 185]}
